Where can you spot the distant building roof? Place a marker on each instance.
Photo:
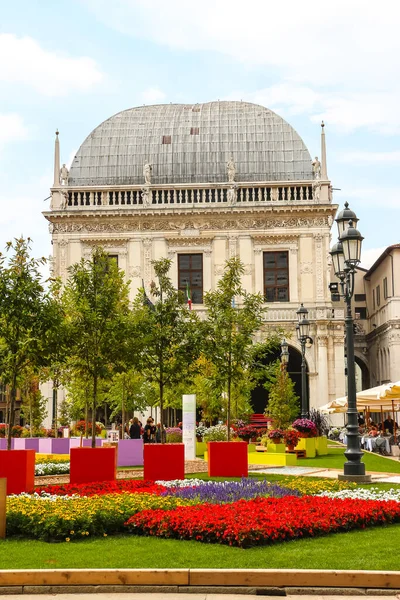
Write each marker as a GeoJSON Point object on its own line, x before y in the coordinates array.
{"type": "Point", "coordinates": [192, 143]}
{"type": "Point", "coordinates": [381, 258]}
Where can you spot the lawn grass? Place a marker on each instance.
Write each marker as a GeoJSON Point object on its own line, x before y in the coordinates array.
{"type": "Point", "coordinates": [336, 459]}
{"type": "Point", "coordinates": [371, 549]}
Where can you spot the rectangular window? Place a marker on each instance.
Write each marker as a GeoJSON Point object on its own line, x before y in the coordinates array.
{"type": "Point", "coordinates": [378, 295]}
{"type": "Point", "coordinates": [385, 288]}
{"type": "Point", "coordinates": [190, 272]}
{"type": "Point", "coordinates": [194, 131]}
{"type": "Point", "coordinates": [276, 276]}
{"type": "Point", "coordinates": [166, 139]}
{"type": "Point", "coordinates": [113, 257]}
{"type": "Point", "coordinates": [373, 299]}
{"type": "Point", "coordinates": [360, 312]}
{"type": "Point", "coordinates": [360, 297]}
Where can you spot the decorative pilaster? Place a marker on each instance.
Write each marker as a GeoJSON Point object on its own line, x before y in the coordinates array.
{"type": "Point", "coordinates": [147, 246]}
{"type": "Point", "coordinates": [324, 167]}
{"type": "Point", "coordinates": [56, 182]}
{"type": "Point", "coordinates": [319, 266]}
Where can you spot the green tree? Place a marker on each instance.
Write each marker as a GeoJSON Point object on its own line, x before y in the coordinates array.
{"type": "Point", "coordinates": [283, 404]}
{"type": "Point", "coordinates": [34, 405]}
{"type": "Point", "coordinates": [128, 392]}
{"type": "Point", "coordinates": [23, 304]}
{"type": "Point", "coordinates": [168, 331]}
{"type": "Point", "coordinates": [229, 329]}
{"type": "Point", "coordinates": [97, 309]}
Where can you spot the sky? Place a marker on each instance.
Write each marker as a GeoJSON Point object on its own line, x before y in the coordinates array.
{"type": "Point", "coordinates": [72, 65]}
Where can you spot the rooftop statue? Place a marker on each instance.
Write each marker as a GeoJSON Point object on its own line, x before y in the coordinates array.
{"type": "Point", "coordinates": [64, 174]}
{"type": "Point", "coordinates": [316, 168]}
{"type": "Point", "coordinates": [147, 173]}
{"type": "Point", "coordinates": [231, 170]}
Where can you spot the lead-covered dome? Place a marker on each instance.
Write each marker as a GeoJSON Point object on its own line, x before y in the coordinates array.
{"type": "Point", "coordinates": [191, 143]}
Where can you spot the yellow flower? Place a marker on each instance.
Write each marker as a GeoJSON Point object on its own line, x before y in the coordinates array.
{"type": "Point", "coordinates": [67, 540]}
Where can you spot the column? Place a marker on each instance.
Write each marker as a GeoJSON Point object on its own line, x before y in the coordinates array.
{"type": "Point", "coordinates": [246, 256]}
{"type": "Point", "coordinates": [135, 271]}
{"type": "Point", "coordinates": [319, 267]}
{"type": "Point", "coordinates": [147, 258]}
{"type": "Point", "coordinates": [207, 268]}
{"type": "Point", "coordinates": [258, 271]}
{"type": "Point", "coordinates": [293, 274]}
{"type": "Point", "coordinates": [322, 341]}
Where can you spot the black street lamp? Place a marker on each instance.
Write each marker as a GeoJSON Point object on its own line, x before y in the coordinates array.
{"type": "Point", "coordinates": [303, 335]}
{"type": "Point", "coordinates": [346, 255]}
{"type": "Point", "coordinates": [284, 353]}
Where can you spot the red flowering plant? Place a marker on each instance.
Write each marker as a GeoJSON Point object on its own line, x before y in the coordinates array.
{"type": "Point", "coordinates": [80, 428]}
{"type": "Point", "coordinates": [263, 521]}
{"type": "Point", "coordinates": [102, 488]}
{"type": "Point", "coordinates": [291, 437]}
{"type": "Point", "coordinates": [275, 435]}
{"type": "Point", "coordinates": [3, 430]}
{"type": "Point", "coordinates": [305, 427]}
{"type": "Point", "coordinates": [247, 432]}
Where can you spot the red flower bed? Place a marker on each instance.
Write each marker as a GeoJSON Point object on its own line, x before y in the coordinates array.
{"type": "Point", "coordinates": [102, 487]}
{"type": "Point", "coordinates": [264, 520]}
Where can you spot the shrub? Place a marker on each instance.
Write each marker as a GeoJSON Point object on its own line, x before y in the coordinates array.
{"type": "Point", "coordinates": [305, 427]}
{"type": "Point", "coordinates": [320, 421]}
{"type": "Point", "coordinates": [217, 433]}
{"type": "Point", "coordinates": [173, 435]}
{"type": "Point", "coordinates": [275, 435]}
{"type": "Point", "coordinates": [291, 437]}
{"type": "Point", "coordinates": [80, 428]}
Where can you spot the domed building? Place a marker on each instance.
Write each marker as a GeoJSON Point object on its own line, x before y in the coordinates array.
{"type": "Point", "coordinates": [200, 183]}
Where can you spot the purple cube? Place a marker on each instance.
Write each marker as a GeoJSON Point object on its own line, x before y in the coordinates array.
{"type": "Point", "coordinates": [130, 453]}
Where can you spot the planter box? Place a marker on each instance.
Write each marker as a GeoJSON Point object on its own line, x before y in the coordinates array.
{"type": "Point", "coordinates": [54, 445]}
{"type": "Point", "coordinates": [93, 464]}
{"type": "Point", "coordinates": [228, 459]}
{"type": "Point", "coordinates": [321, 445]}
{"type": "Point", "coordinates": [130, 453]}
{"type": "Point", "coordinates": [251, 448]}
{"type": "Point", "coordinates": [280, 448]}
{"type": "Point", "coordinates": [307, 444]}
{"type": "Point", "coordinates": [3, 443]}
{"type": "Point", "coordinates": [201, 447]}
{"type": "Point", "coordinates": [272, 458]}
{"type": "Point", "coordinates": [87, 443]}
{"type": "Point", "coordinates": [164, 461]}
{"type": "Point", "coordinates": [18, 467]}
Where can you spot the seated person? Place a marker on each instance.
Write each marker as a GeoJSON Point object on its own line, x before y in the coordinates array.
{"type": "Point", "coordinates": [373, 432]}
{"type": "Point", "coordinates": [380, 444]}
{"type": "Point", "coordinates": [389, 425]}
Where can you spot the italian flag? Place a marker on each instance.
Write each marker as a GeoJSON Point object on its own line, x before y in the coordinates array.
{"type": "Point", "coordinates": [188, 297]}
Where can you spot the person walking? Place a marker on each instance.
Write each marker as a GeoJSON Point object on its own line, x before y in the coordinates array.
{"type": "Point", "coordinates": [134, 430]}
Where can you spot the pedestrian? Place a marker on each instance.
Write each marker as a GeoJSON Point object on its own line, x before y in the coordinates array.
{"type": "Point", "coordinates": [149, 431]}
{"type": "Point", "coordinates": [134, 430]}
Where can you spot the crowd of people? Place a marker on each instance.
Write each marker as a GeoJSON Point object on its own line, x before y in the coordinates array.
{"type": "Point", "coordinates": [373, 429]}
{"type": "Point", "coordinates": [150, 433]}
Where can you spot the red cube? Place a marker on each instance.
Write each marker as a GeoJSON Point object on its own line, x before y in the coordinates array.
{"type": "Point", "coordinates": [164, 461]}
{"type": "Point", "coordinates": [18, 467]}
{"type": "Point", "coordinates": [228, 459]}
{"type": "Point", "coordinates": [92, 464]}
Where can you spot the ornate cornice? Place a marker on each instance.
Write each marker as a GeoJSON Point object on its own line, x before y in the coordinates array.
{"type": "Point", "coordinates": [244, 222]}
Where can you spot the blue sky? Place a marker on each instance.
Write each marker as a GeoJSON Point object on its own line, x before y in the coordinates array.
{"type": "Point", "coordinates": [72, 65]}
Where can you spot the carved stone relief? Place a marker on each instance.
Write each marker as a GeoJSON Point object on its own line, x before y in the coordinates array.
{"type": "Point", "coordinates": [306, 267]}
{"type": "Point", "coordinates": [238, 223]}
{"type": "Point", "coordinates": [319, 271]}
{"type": "Point", "coordinates": [135, 271]}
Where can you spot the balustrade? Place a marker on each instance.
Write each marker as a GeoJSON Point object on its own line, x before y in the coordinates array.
{"type": "Point", "coordinates": [243, 194]}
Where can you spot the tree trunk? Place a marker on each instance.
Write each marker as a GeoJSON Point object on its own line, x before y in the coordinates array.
{"type": "Point", "coordinates": [162, 412]}
{"type": "Point", "coordinates": [86, 419]}
{"type": "Point", "coordinates": [228, 410]}
{"type": "Point", "coordinates": [94, 411]}
{"type": "Point", "coordinates": [55, 400]}
{"type": "Point", "coordinates": [12, 410]}
{"type": "Point", "coordinates": [122, 432]}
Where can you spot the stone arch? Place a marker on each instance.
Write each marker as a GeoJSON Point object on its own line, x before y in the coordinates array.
{"type": "Point", "coordinates": [362, 362]}
{"type": "Point", "coordinates": [259, 396]}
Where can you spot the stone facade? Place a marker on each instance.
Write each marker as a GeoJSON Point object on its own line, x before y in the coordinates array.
{"type": "Point", "coordinates": [246, 218]}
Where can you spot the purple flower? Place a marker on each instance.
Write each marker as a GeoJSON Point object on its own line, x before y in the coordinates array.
{"type": "Point", "coordinates": [222, 492]}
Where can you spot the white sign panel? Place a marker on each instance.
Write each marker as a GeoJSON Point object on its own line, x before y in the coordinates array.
{"type": "Point", "coordinates": [189, 425]}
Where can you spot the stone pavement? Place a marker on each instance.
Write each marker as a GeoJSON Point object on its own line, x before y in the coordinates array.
{"type": "Point", "coordinates": [347, 594]}
{"type": "Point", "coordinates": [329, 473]}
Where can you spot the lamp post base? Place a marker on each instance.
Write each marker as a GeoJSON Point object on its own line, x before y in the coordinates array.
{"type": "Point", "coordinates": [355, 478]}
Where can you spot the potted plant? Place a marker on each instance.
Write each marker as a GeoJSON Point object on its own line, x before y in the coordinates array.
{"type": "Point", "coordinates": [308, 432]}
{"type": "Point", "coordinates": [291, 438]}
{"type": "Point", "coordinates": [274, 439]}
{"type": "Point", "coordinates": [322, 425]}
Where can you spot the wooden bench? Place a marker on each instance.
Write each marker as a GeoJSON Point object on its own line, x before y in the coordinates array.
{"type": "Point", "coordinates": [298, 453]}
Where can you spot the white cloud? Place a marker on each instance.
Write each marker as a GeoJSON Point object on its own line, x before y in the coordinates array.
{"type": "Point", "coordinates": [366, 158]}
{"type": "Point", "coordinates": [152, 95]}
{"type": "Point", "coordinates": [12, 128]}
{"type": "Point", "coordinates": [24, 61]}
{"type": "Point", "coordinates": [315, 48]}
{"type": "Point", "coordinates": [368, 257]}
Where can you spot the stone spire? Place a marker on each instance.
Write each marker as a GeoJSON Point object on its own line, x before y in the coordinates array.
{"type": "Point", "coordinates": [56, 182]}
{"type": "Point", "coordinates": [324, 169]}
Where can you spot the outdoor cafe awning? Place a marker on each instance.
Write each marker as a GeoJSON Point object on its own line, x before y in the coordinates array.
{"type": "Point", "coordinates": [384, 397]}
